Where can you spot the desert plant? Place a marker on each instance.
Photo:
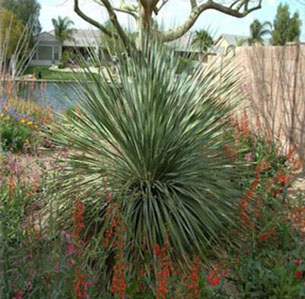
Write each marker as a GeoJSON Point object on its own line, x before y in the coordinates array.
{"type": "Point", "coordinates": [146, 153]}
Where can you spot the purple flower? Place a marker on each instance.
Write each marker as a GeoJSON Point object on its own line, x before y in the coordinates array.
{"type": "Point", "coordinates": [70, 250]}
{"type": "Point", "coordinates": [71, 262]}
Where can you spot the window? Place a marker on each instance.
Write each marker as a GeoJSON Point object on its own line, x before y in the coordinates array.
{"type": "Point", "coordinates": [56, 52]}
{"type": "Point", "coordinates": [45, 53]}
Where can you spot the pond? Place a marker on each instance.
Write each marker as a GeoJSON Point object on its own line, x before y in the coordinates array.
{"type": "Point", "coordinates": [59, 96]}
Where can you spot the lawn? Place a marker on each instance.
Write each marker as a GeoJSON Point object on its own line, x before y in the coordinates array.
{"type": "Point", "coordinates": [47, 74]}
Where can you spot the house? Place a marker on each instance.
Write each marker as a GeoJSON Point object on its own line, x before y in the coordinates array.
{"type": "Point", "coordinates": [182, 46]}
{"type": "Point", "coordinates": [49, 49]}
{"type": "Point", "coordinates": [226, 41]}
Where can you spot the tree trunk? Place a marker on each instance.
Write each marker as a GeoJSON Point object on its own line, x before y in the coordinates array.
{"type": "Point", "coordinates": [144, 24]}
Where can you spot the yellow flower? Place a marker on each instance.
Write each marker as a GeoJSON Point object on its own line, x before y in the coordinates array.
{"type": "Point", "coordinates": [39, 132]}
{"type": "Point", "coordinates": [36, 126]}
{"type": "Point", "coordinates": [1, 115]}
{"type": "Point", "coordinates": [29, 123]}
{"type": "Point", "coordinates": [7, 118]}
{"type": "Point", "coordinates": [22, 120]}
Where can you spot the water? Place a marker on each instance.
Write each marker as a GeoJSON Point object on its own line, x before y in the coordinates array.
{"type": "Point", "coordinates": [58, 96]}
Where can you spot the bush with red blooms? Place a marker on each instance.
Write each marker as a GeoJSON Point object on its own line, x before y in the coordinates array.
{"type": "Point", "coordinates": [65, 262]}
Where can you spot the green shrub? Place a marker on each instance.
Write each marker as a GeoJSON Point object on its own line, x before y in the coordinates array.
{"type": "Point", "coordinates": [65, 58]}
{"type": "Point", "coordinates": [271, 274]}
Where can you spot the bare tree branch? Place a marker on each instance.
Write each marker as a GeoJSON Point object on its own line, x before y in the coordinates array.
{"type": "Point", "coordinates": [241, 11]}
{"type": "Point", "coordinates": [234, 3]}
{"type": "Point", "coordinates": [193, 3]}
{"type": "Point", "coordinates": [124, 8]}
{"type": "Point", "coordinates": [89, 20]}
{"type": "Point", "coordinates": [157, 9]}
{"type": "Point", "coordinates": [114, 20]}
{"type": "Point", "coordinates": [133, 14]}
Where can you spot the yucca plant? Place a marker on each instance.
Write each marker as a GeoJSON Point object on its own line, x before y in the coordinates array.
{"type": "Point", "coordinates": [147, 149]}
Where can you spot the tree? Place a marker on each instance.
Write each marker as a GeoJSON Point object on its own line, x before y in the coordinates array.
{"type": "Point", "coordinates": [286, 28]}
{"type": "Point", "coordinates": [143, 11]}
{"type": "Point", "coordinates": [113, 45]}
{"type": "Point", "coordinates": [294, 30]}
{"type": "Point", "coordinates": [11, 30]}
{"type": "Point", "coordinates": [62, 28]}
{"type": "Point", "coordinates": [257, 31]}
{"type": "Point", "coordinates": [27, 11]}
{"type": "Point", "coordinates": [202, 41]}
{"type": "Point", "coordinates": [240, 41]}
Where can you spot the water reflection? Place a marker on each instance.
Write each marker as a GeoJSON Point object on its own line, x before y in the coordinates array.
{"type": "Point", "coordinates": [58, 96]}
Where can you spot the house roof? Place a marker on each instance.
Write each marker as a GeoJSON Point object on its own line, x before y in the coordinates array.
{"type": "Point", "coordinates": [232, 39]}
{"type": "Point", "coordinates": [83, 38]}
{"type": "Point", "coordinates": [46, 37]}
{"type": "Point", "coordinates": [183, 43]}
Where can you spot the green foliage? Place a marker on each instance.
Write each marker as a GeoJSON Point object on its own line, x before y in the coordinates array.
{"type": "Point", "coordinates": [10, 22]}
{"type": "Point", "coordinates": [271, 273]}
{"type": "Point", "coordinates": [65, 58]}
{"type": "Point", "coordinates": [14, 136]}
{"type": "Point", "coordinates": [286, 28]}
{"type": "Point", "coordinates": [154, 141]}
{"type": "Point", "coordinates": [240, 41]}
{"type": "Point", "coordinates": [62, 28]}
{"type": "Point", "coordinates": [40, 260]}
{"type": "Point", "coordinates": [202, 41]}
{"type": "Point", "coordinates": [114, 45]}
{"type": "Point", "coordinates": [257, 32]}
{"type": "Point", "coordinates": [27, 11]}
{"type": "Point", "coordinates": [185, 65]}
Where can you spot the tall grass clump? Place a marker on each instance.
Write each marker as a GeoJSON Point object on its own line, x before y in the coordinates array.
{"type": "Point", "coordinates": [146, 164]}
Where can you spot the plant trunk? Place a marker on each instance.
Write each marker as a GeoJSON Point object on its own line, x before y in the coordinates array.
{"type": "Point", "coordinates": [145, 21]}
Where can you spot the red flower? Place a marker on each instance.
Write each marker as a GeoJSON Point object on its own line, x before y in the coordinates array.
{"type": "Point", "coordinates": [118, 280]}
{"type": "Point", "coordinates": [213, 278]}
{"type": "Point", "coordinates": [47, 279]}
{"type": "Point", "coordinates": [215, 275]}
{"type": "Point", "coordinates": [78, 218]}
{"type": "Point", "coordinates": [298, 262]}
{"type": "Point", "coordinates": [298, 275]}
{"type": "Point", "coordinates": [80, 286]}
{"type": "Point", "coordinates": [193, 284]}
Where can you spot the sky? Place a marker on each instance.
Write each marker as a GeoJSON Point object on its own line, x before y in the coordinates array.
{"type": "Point", "coordinates": [174, 13]}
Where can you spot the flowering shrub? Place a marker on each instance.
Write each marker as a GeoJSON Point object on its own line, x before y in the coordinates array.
{"type": "Point", "coordinates": [114, 221]}
{"type": "Point", "coordinates": [18, 131]}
